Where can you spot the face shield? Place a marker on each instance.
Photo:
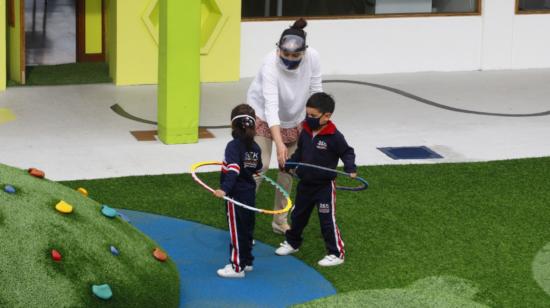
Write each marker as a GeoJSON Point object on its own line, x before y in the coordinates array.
{"type": "Point", "coordinates": [291, 51]}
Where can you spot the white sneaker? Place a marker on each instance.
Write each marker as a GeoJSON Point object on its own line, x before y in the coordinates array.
{"type": "Point", "coordinates": [248, 268]}
{"type": "Point", "coordinates": [280, 228]}
{"type": "Point", "coordinates": [285, 249]}
{"type": "Point", "coordinates": [331, 260]}
{"type": "Point", "coordinates": [229, 272]}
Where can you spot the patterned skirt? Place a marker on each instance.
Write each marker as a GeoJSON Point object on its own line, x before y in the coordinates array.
{"type": "Point", "coordinates": [289, 135]}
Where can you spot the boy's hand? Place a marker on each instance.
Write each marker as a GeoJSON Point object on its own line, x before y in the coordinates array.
{"type": "Point", "coordinates": [219, 193]}
{"type": "Point", "coordinates": [353, 175]}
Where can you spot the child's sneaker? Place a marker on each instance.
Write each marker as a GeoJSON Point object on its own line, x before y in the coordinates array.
{"type": "Point", "coordinates": [330, 260]}
{"type": "Point", "coordinates": [229, 272]}
{"type": "Point", "coordinates": [285, 249]}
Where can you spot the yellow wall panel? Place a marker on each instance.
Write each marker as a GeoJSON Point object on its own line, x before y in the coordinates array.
{"type": "Point", "coordinates": [136, 50]}
{"type": "Point", "coordinates": [133, 36]}
{"type": "Point", "coordinates": [3, 73]}
{"type": "Point", "coordinates": [221, 59]}
{"type": "Point", "coordinates": [14, 46]}
{"type": "Point", "coordinates": [93, 25]}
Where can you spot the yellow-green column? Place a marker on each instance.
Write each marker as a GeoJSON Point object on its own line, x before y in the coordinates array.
{"type": "Point", "coordinates": [2, 45]}
{"type": "Point", "coordinates": [179, 71]}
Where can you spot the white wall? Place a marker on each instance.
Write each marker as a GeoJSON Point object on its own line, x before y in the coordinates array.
{"type": "Point", "coordinates": [497, 40]}
{"type": "Point", "coordinates": [531, 48]}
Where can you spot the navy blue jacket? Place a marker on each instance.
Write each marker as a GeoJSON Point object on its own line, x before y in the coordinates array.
{"type": "Point", "coordinates": [323, 149]}
{"type": "Point", "coordinates": [239, 165]}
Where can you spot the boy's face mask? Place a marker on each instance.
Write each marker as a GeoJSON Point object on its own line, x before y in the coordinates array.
{"type": "Point", "coordinates": [314, 123]}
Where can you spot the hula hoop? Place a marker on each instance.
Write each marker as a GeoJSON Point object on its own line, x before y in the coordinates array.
{"type": "Point", "coordinates": [287, 208]}
{"type": "Point", "coordinates": [364, 184]}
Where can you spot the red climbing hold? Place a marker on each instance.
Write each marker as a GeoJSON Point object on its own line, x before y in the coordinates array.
{"type": "Point", "coordinates": [56, 256]}
{"type": "Point", "coordinates": [36, 172]}
{"type": "Point", "coordinates": [159, 255]}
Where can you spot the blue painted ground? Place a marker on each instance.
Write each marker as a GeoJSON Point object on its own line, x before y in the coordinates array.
{"type": "Point", "coordinates": [200, 250]}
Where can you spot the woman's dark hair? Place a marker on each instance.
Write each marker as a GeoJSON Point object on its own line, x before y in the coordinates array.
{"type": "Point", "coordinates": [322, 102]}
{"type": "Point", "coordinates": [296, 29]}
{"type": "Point", "coordinates": [243, 123]}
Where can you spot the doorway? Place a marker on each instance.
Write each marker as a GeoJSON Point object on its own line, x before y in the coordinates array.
{"type": "Point", "coordinates": [50, 32]}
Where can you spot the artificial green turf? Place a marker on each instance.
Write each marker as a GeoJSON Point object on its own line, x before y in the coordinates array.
{"type": "Point", "coordinates": [63, 74]}
{"type": "Point", "coordinates": [482, 222]}
{"type": "Point", "coordinates": [436, 292]}
{"type": "Point", "coordinates": [30, 228]}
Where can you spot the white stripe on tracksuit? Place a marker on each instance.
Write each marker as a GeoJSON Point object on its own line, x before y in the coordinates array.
{"type": "Point", "coordinates": [232, 219]}
{"type": "Point", "coordinates": [338, 238]}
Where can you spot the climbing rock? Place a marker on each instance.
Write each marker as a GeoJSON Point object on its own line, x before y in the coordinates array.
{"type": "Point", "coordinates": [83, 191]}
{"type": "Point", "coordinates": [159, 255]}
{"type": "Point", "coordinates": [108, 212]}
{"type": "Point", "coordinates": [9, 189]}
{"type": "Point", "coordinates": [64, 207]}
{"type": "Point", "coordinates": [56, 256]}
{"type": "Point", "coordinates": [102, 291]}
{"type": "Point", "coordinates": [36, 173]}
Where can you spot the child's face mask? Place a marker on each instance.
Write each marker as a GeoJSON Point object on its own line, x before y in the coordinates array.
{"type": "Point", "coordinates": [314, 123]}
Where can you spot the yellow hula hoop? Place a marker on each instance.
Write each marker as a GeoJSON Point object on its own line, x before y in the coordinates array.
{"type": "Point", "coordinates": [287, 208]}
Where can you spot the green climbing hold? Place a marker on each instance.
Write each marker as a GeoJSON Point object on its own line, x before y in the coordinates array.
{"type": "Point", "coordinates": [108, 211]}
{"type": "Point", "coordinates": [102, 291]}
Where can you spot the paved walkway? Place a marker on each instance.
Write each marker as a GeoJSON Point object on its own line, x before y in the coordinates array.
{"type": "Point", "coordinates": [199, 251]}
{"type": "Point", "coordinates": [72, 132]}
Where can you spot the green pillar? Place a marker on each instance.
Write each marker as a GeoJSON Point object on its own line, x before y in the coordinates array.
{"type": "Point", "coordinates": [179, 71]}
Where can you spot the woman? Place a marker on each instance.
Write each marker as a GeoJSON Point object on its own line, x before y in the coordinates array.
{"type": "Point", "coordinates": [287, 78]}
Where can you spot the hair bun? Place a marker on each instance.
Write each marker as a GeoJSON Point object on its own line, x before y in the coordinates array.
{"type": "Point", "coordinates": [299, 24]}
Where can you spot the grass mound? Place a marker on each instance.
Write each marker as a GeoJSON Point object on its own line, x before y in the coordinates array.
{"type": "Point", "coordinates": [30, 227]}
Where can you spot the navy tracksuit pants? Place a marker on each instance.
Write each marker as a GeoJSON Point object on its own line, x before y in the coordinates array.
{"type": "Point", "coordinates": [322, 197]}
{"type": "Point", "coordinates": [241, 230]}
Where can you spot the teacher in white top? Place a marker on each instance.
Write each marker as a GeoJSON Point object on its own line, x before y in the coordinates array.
{"type": "Point", "coordinates": [278, 94]}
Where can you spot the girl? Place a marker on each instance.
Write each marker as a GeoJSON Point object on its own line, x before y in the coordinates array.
{"type": "Point", "coordinates": [243, 158]}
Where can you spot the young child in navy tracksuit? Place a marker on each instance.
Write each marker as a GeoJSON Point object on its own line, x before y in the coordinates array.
{"type": "Point", "coordinates": [320, 144]}
{"type": "Point", "coordinates": [242, 160]}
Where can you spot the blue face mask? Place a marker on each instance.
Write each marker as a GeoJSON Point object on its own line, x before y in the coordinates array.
{"type": "Point", "coordinates": [313, 123]}
{"type": "Point", "coordinates": [291, 64]}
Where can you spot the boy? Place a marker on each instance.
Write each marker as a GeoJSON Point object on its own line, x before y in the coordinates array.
{"type": "Point", "coordinates": [321, 144]}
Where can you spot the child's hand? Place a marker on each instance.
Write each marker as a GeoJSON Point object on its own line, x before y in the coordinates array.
{"type": "Point", "coordinates": [353, 175]}
{"type": "Point", "coordinates": [219, 193]}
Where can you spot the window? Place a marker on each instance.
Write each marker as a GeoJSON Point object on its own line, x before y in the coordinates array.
{"type": "Point", "coordinates": [533, 6]}
{"type": "Point", "coordinates": [355, 8]}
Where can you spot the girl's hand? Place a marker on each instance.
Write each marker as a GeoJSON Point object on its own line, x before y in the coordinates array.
{"type": "Point", "coordinates": [282, 154]}
{"type": "Point", "coordinates": [219, 193]}
{"type": "Point", "coordinates": [353, 175]}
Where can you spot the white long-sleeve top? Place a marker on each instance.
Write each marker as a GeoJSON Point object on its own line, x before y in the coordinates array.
{"type": "Point", "coordinates": [279, 95]}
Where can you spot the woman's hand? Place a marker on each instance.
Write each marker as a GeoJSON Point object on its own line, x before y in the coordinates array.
{"type": "Point", "coordinates": [353, 175]}
{"type": "Point", "coordinates": [219, 193]}
{"type": "Point", "coordinates": [282, 154]}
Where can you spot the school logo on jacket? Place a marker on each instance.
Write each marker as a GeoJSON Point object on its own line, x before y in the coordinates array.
{"type": "Point", "coordinates": [324, 208]}
{"type": "Point", "coordinates": [251, 159]}
{"type": "Point", "coordinates": [321, 145]}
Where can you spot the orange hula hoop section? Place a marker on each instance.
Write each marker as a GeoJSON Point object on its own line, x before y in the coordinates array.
{"type": "Point", "coordinates": [287, 208]}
